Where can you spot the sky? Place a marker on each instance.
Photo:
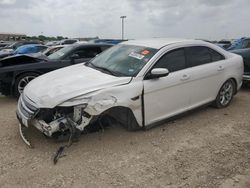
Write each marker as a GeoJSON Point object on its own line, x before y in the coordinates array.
{"type": "Point", "coordinates": [203, 19]}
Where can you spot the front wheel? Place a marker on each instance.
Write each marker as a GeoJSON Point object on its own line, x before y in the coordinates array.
{"type": "Point", "coordinates": [22, 81]}
{"type": "Point", "coordinates": [225, 94]}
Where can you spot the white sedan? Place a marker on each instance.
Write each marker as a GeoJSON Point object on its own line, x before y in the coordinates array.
{"type": "Point", "coordinates": [138, 83]}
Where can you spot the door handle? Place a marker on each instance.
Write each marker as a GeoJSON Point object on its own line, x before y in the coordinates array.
{"type": "Point", "coordinates": [220, 68]}
{"type": "Point", "coordinates": [185, 77]}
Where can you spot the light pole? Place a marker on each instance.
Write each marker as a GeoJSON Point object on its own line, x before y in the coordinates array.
{"type": "Point", "coordinates": [123, 17]}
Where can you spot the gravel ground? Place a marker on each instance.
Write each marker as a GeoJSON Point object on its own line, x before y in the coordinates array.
{"type": "Point", "coordinates": [205, 148]}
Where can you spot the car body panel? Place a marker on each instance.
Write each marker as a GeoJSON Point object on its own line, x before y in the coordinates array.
{"type": "Point", "coordinates": [197, 76]}
{"type": "Point", "coordinates": [164, 90]}
{"type": "Point", "coordinates": [245, 53]}
{"type": "Point", "coordinates": [68, 83]}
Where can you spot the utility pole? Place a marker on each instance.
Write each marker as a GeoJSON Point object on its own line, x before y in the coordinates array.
{"type": "Point", "coordinates": [123, 17]}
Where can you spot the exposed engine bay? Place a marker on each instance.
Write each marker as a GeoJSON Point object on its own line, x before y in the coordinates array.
{"type": "Point", "coordinates": [61, 119]}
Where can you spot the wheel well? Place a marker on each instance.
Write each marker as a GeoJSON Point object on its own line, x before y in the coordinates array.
{"type": "Point", "coordinates": [18, 75]}
{"type": "Point", "coordinates": [33, 72]}
{"type": "Point", "coordinates": [235, 82]}
{"type": "Point", "coordinates": [124, 116]}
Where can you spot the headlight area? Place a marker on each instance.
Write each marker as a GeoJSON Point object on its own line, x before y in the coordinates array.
{"type": "Point", "coordinates": [62, 120]}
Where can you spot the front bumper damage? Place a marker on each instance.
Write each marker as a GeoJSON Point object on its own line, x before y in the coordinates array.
{"type": "Point", "coordinates": [22, 131]}
{"type": "Point", "coordinates": [59, 123]}
{"type": "Point", "coordinates": [24, 115]}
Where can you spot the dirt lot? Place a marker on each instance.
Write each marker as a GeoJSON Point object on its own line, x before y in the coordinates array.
{"type": "Point", "coordinates": [206, 148]}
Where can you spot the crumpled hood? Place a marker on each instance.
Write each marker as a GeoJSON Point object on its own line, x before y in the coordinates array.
{"type": "Point", "coordinates": [54, 88]}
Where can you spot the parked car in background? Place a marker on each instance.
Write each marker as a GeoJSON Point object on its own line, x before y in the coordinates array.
{"type": "Point", "coordinates": [82, 42]}
{"type": "Point", "coordinates": [223, 44]}
{"type": "Point", "coordinates": [4, 44]}
{"type": "Point", "coordinates": [51, 43]}
{"type": "Point", "coordinates": [67, 41]}
{"type": "Point", "coordinates": [25, 49]}
{"type": "Point", "coordinates": [17, 71]}
{"type": "Point", "coordinates": [241, 43]}
{"type": "Point", "coordinates": [245, 53]}
{"type": "Point", "coordinates": [108, 41]}
{"type": "Point", "coordinates": [138, 83]}
{"type": "Point", "coordinates": [15, 45]}
{"type": "Point", "coordinates": [30, 48]}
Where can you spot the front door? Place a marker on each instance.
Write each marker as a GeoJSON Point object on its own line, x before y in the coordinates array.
{"type": "Point", "coordinates": [170, 95]}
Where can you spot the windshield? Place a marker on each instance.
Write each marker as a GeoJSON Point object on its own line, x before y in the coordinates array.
{"type": "Point", "coordinates": [58, 55]}
{"type": "Point", "coordinates": [124, 60]}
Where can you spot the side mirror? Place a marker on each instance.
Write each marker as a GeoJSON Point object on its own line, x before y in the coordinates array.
{"type": "Point", "coordinates": [73, 57]}
{"type": "Point", "coordinates": [157, 73]}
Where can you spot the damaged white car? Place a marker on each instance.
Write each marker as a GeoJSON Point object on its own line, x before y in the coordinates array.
{"type": "Point", "coordinates": [138, 83]}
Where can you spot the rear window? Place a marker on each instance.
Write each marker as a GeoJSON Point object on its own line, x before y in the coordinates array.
{"type": "Point", "coordinates": [216, 56]}
{"type": "Point", "coordinates": [200, 55]}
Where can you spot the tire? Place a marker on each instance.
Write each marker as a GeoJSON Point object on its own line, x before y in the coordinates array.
{"type": "Point", "coordinates": [225, 94]}
{"type": "Point", "coordinates": [22, 81]}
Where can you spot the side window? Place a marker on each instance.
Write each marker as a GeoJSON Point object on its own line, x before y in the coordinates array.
{"type": "Point", "coordinates": [87, 52]}
{"type": "Point", "coordinates": [198, 55]}
{"type": "Point", "coordinates": [216, 56]}
{"type": "Point", "coordinates": [173, 61]}
{"type": "Point", "coordinates": [247, 44]}
{"type": "Point", "coordinates": [53, 50]}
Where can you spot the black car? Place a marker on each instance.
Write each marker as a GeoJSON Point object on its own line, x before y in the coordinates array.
{"type": "Point", "coordinates": [245, 53]}
{"type": "Point", "coordinates": [17, 71]}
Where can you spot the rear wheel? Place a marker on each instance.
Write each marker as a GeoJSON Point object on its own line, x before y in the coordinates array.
{"type": "Point", "coordinates": [225, 94]}
{"type": "Point", "coordinates": [22, 81]}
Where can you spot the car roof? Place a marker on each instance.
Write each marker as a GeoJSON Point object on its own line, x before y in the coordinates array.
{"type": "Point", "coordinates": [157, 43]}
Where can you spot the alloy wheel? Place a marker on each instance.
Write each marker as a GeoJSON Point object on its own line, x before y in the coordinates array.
{"type": "Point", "coordinates": [226, 93]}
{"type": "Point", "coordinates": [23, 82]}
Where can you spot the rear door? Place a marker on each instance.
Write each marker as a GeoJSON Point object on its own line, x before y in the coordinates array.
{"type": "Point", "coordinates": [206, 73]}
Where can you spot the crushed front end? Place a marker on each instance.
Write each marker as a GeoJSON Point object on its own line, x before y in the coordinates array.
{"type": "Point", "coordinates": [57, 122]}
